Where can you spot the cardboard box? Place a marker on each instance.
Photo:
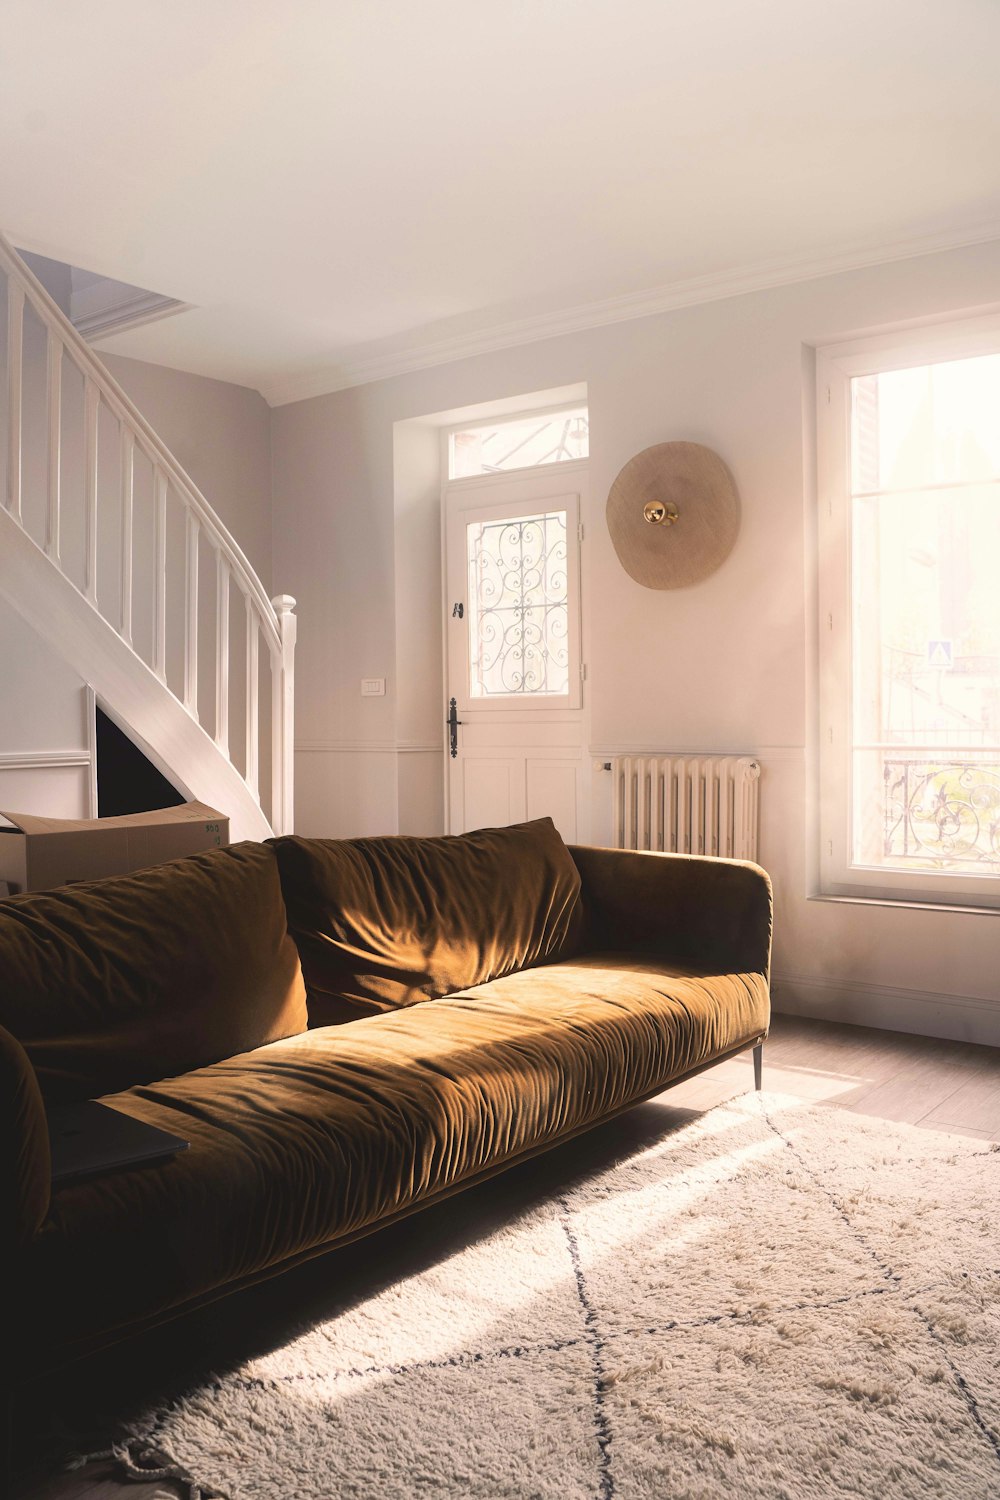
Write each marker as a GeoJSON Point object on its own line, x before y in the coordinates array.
{"type": "Point", "coordinates": [38, 853]}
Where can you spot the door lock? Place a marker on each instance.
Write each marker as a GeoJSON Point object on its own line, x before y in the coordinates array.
{"type": "Point", "coordinates": [453, 722]}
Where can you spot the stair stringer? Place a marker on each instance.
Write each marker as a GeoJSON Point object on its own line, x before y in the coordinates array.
{"type": "Point", "coordinates": [129, 691]}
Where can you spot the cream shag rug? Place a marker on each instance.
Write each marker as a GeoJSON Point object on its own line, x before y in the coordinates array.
{"type": "Point", "coordinates": [774, 1301]}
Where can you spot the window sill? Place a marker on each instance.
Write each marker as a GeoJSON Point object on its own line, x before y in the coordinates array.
{"type": "Point", "coordinates": [909, 903]}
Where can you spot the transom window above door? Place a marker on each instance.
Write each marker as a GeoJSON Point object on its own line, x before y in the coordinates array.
{"type": "Point", "coordinates": [523, 442]}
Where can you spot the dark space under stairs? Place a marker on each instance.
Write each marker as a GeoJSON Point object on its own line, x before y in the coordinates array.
{"type": "Point", "coordinates": [126, 781]}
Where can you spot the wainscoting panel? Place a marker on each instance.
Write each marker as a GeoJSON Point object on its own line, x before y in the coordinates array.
{"type": "Point", "coordinates": [553, 791]}
{"type": "Point", "coordinates": [52, 783]}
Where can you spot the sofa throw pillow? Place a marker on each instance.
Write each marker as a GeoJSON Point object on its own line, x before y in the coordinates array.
{"type": "Point", "coordinates": [386, 922]}
{"type": "Point", "coordinates": [115, 982]}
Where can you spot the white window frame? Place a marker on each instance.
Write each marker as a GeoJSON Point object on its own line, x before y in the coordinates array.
{"type": "Point", "coordinates": [836, 365]}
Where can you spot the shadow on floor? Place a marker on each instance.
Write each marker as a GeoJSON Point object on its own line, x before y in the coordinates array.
{"type": "Point", "coordinates": [81, 1406]}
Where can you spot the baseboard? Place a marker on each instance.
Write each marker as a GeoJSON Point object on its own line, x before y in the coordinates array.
{"type": "Point", "coordinates": [960, 1018]}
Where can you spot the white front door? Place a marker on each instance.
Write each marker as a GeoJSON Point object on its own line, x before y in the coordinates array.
{"type": "Point", "coordinates": [515, 747]}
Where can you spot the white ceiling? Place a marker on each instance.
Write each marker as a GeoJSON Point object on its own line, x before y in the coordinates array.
{"type": "Point", "coordinates": [345, 188]}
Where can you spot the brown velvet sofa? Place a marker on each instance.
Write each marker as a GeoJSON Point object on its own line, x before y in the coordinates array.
{"type": "Point", "coordinates": [344, 1031]}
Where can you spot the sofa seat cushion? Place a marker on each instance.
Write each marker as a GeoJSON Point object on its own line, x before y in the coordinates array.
{"type": "Point", "coordinates": [312, 1139]}
{"type": "Point", "coordinates": [386, 922]}
{"type": "Point", "coordinates": [114, 982]}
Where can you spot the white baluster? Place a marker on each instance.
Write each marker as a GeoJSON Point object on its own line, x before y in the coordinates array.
{"type": "Point", "coordinates": [91, 410]}
{"type": "Point", "coordinates": [15, 345]}
{"type": "Point", "coordinates": [252, 705]}
{"type": "Point", "coordinates": [222, 653]}
{"type": "Point", "coordinates": [160, 574]}
{"type": "Point", "coordinates": [54, 383]}
{"type": "Point", "coordinates": [191, 616]}
{"type": "Point", "coordinates": [127, 492]}
{"type": "Point", "coordinates": [283, 717]}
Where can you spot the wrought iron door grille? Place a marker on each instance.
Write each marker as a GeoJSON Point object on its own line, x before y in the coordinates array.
{"type": "Point", "coordinates": [519, 619]}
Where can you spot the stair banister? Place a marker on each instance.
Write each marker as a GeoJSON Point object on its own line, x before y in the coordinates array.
{"type": "Point", "coordinates": [273, 625]}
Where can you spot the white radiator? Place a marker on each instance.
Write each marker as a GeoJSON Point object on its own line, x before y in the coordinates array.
{"type": "Point", "coordinates": [686, 804]}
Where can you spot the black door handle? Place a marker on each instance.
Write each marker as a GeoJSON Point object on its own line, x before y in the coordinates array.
{"type": "Point", "coordinates": [453, 722]}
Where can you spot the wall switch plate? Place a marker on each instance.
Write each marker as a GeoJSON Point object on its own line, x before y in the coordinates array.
{"type": "Point", "coordinates": [373, 687]}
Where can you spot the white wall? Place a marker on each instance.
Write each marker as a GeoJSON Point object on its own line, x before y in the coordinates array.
{"type": "Point", "coordinates": [333, 490]}
{"type": "Point", "coordinates": [46, 746]}
{"type": "Point", "coordinates": [418, 683]}
{"type": "Point", "coordinates": [725, 665]}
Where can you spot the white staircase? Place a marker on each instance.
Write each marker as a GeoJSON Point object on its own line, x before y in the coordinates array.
{"type": "Point", "coordinates": [113, 556]}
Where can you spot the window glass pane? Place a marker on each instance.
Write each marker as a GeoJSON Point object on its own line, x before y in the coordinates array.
{"type": "Point", "coordinates": [936, 424]}
{"type": "Point", "coordinates": [926, 618]}
{"type": "Point", "coordinates": [523, 444]}
{"type": "Point", "coordinates": [519, 606]}
{"type": "Point", "coordinates": [928, 813]}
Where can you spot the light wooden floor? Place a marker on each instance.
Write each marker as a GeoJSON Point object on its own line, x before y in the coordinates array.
{"type": "Point", "coordinates": [949, 1086]}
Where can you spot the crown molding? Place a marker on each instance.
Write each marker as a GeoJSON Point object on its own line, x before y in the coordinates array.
{"type": "Point", "coordinates": [716, 287]}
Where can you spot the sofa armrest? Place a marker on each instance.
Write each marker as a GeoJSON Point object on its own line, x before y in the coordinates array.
{"type": "Point", "coordinates": [697, 912]}
{"type": "Point", "coordinates": [25, 1163]}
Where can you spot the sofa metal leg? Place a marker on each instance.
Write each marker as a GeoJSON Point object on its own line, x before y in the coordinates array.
{"type": "Point", "coordinates": [758, 1066]}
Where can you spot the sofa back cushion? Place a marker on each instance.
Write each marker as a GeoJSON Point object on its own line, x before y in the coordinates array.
{"type": "Point", "coordinates": [116, 982]}
{"type": "Point", "coordinates": [386, 922]}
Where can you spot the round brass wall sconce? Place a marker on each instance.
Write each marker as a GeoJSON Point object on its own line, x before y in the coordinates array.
{"type": "Point", "coordinates": [658, 513]}
{"type": "Point", "coordinates": [673, 514]}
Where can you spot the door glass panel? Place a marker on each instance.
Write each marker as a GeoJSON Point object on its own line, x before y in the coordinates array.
{"type": "Point", "coordinates": [518, 606]}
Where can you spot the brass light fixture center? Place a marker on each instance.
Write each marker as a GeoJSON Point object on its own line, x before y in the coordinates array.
{"type": "Point", "coordinates": [659, 512]}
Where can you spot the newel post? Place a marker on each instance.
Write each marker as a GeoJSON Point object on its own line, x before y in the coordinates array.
{"type": "Point", "coordinates": [283, 717]}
